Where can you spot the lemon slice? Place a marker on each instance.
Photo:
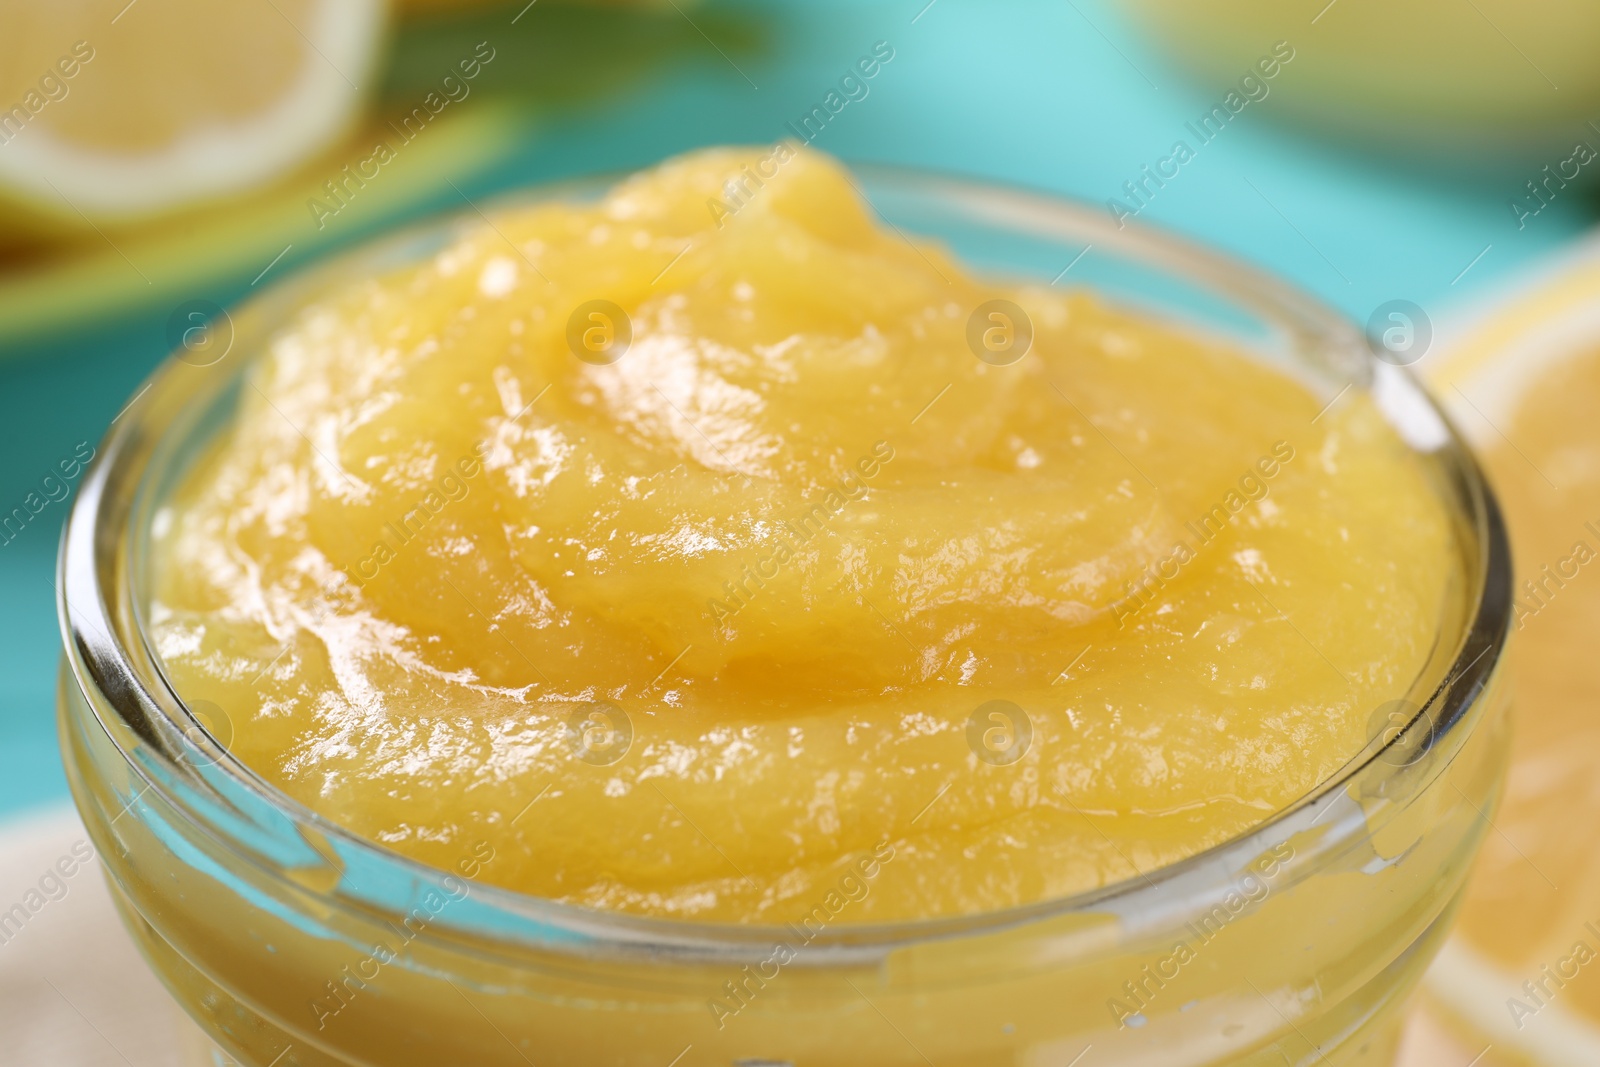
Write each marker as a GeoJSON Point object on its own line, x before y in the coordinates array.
{"type": "Point", "coordinates": [113, 111]}
{"type": "Point", "coordinates": [1522, 972]}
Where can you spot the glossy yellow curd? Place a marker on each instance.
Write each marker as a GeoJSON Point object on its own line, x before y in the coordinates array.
{"type": "Point", "coordinates": [712, 550]}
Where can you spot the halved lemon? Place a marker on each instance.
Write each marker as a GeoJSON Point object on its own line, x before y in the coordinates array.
{"type": "Point", "coordinates": [113, 111]}
{"type": "Point", "coordinates": [1522, 972]}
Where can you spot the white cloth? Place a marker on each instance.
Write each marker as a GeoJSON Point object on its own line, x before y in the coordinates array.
{"type": "Point", "coordinates": [74, 992]}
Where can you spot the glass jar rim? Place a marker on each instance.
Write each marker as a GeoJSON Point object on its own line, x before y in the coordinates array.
{"type": "Point", "coordinates": [107, 652]}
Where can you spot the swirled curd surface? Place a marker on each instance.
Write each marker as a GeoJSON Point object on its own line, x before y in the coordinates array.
{"type": "Point", "coordinates": [690, 633]}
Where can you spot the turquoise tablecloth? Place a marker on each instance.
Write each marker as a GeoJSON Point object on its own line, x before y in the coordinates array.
{"type": "Point", "coordinates": [1051, 93]}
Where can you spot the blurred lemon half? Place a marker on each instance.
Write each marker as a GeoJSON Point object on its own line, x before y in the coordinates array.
{"type": "Point", "coordinates": [114, 111]}
{"type": "Point", "coordinates": [1522, 972]}
{"type": "Point", "coordinates": [1501, 82]}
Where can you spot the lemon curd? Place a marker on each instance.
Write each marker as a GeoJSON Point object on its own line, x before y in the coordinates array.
{"type": "Point", "coordinates": [780, 575]}
{"type": "Point", "coordinates": [700, 624]}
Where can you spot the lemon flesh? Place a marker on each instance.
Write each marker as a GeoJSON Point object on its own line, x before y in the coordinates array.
{"type": "Point", "coordinates": [1524, 969]}
{"type": "Point", "coordinates": [111, 112]}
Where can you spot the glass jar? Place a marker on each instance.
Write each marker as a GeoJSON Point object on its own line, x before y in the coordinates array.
{"type": "Point", "coordinates": [295, 943]}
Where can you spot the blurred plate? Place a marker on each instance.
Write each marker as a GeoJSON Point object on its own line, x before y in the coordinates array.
{"type": "Point", "coordinates": [232, 245]}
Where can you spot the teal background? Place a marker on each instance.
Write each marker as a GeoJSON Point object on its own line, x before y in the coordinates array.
{"type": "Point", "coordinates": [1055, 94]}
